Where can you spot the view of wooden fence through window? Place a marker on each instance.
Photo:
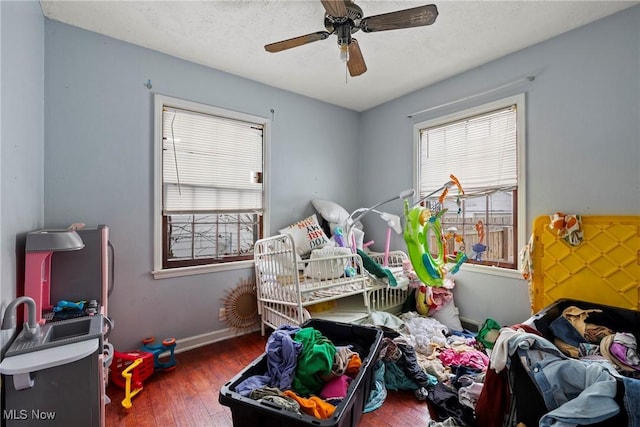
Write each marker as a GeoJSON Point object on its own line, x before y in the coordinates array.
{"type": "Point", "coordinates": [485, 235]}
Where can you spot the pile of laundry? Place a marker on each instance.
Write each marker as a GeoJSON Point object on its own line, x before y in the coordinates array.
{"type": "Point", "coordinates": [306, 372]}
{"type": "Point", "coordinates": [578, 337]}
{"type": "Point", "coordinates": [441, 366]}
{"type": "Point", "coordinates": [577, 370]}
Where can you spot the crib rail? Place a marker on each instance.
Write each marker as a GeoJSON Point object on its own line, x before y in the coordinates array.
{"type": "Point", "coordinates": [286, 284]}
{"type": "Point", "coordinates": [291, 290]}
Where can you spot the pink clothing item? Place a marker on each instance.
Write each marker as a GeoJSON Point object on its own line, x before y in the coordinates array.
{"type": "Point", "coordinates": [439, 297]}
{"type": "Point", "coordinates": [628, 340]}
{"type": "Point", "coordinates": [620, 352]}
{"type": "Point", "coordinates": [471, 358]}
{"type": "Point", "coordinates": [335, 388]}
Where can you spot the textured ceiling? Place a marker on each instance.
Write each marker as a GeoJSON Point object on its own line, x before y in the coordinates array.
{"type": "Point", "coordinates": [230, 36]}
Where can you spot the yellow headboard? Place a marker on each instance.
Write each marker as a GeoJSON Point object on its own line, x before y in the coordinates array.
{"type": "Point", "coordinates": [604, 268]}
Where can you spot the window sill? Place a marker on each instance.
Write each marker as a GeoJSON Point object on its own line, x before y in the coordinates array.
{"type": "Point", "coordinates": [491, 270]}
{"type": "Point", "coordinates": [201, 269]}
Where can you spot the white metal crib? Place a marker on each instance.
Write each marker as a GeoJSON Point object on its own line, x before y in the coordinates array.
{"type": "Point", "coordinates": [291, 290]}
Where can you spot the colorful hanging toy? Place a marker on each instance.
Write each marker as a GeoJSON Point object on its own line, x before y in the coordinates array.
{"type": "Point", "coordinates": [421, 223]}
{"type": "Point", "coordinates": [479, 247]}
{"type": "Point", "coordinates": [458, 240]}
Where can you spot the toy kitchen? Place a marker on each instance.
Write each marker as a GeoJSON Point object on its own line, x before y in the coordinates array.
{"type": "Point", "coordinates": [54, 371]}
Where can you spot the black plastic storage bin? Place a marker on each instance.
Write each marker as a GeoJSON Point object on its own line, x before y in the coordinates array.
{"type": "Point", "coordinates": [248, 412]}
{"type": "Point", "coordinates": [618, 319]}
{"type": "Point", "coordinates": [529, 404]}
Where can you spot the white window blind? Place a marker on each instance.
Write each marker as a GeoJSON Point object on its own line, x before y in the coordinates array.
{"type": "Point", "coordinates": [210, 163]}
{"type": "Point", "coordinates": [481, 151]}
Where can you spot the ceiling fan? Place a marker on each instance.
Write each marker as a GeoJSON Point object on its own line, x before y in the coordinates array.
{"type": "Point", "coordinates": [344, 18]}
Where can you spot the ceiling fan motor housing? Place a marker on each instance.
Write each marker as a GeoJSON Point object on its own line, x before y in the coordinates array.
{"type": "Point", "coordinates": [350, 21]}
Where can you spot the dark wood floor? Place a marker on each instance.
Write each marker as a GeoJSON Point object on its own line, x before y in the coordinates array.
{"type": "Point", "coordinates": [188, 395]}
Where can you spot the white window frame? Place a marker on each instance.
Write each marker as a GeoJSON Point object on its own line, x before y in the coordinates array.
{"type": "Point", "coordinates": [158, 271]}
{"type": "Point", "coordinates": [519, 101]}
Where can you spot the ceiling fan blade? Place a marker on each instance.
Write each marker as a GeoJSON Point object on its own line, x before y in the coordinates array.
{"type": "Point", "coordinates": [335, 8]}
{"type": "Point", "coordinates": [296, 41]}
{"type": "Point", "coordinates": [415, 17]}
{"type": "Point", "coordinates": [355, 63]}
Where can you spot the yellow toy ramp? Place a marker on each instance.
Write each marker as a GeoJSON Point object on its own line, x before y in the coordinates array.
{"type": "Point", "coordinates": [604, 268]}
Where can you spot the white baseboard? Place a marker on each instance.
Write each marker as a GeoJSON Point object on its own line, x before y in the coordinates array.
{"type": "Point", "coordinates": [190, 343]}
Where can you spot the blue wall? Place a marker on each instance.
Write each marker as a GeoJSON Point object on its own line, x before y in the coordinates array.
{"type": "Point", "coordinates": [99, 165]}
{"type": "Point", "coordinates": [21, 139]}
{"type": "Point", "coordinates": [583, 138]}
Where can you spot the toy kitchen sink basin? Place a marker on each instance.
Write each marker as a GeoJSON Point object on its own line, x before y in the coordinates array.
{"type": "Point", "coordinates": [59, 333]}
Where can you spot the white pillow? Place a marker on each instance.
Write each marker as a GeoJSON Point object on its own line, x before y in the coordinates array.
{"type": "Point", "coordinates": [330, 211]}
{"type": "Point", "coordinates": [272, 270]}
{"type": "Point", "coordinates": [278, 264]}
{"type": "Point", "coordinates": [449, 316]}
{"type": "Point", "coordinates": [307, 235]}
{"type": "Point", "coordinates": [329, 269]}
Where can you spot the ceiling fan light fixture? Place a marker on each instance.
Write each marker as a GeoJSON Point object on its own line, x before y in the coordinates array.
{"type": "Point", "coordinates": [344, 52]}
{"type": "Point", "coordinates": [344, 38]}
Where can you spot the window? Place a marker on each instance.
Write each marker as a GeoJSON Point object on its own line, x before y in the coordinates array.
{"type": "Point", "coordinates": [209, 185]}
{"type": "Point", "coordinates": [484, 148]}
